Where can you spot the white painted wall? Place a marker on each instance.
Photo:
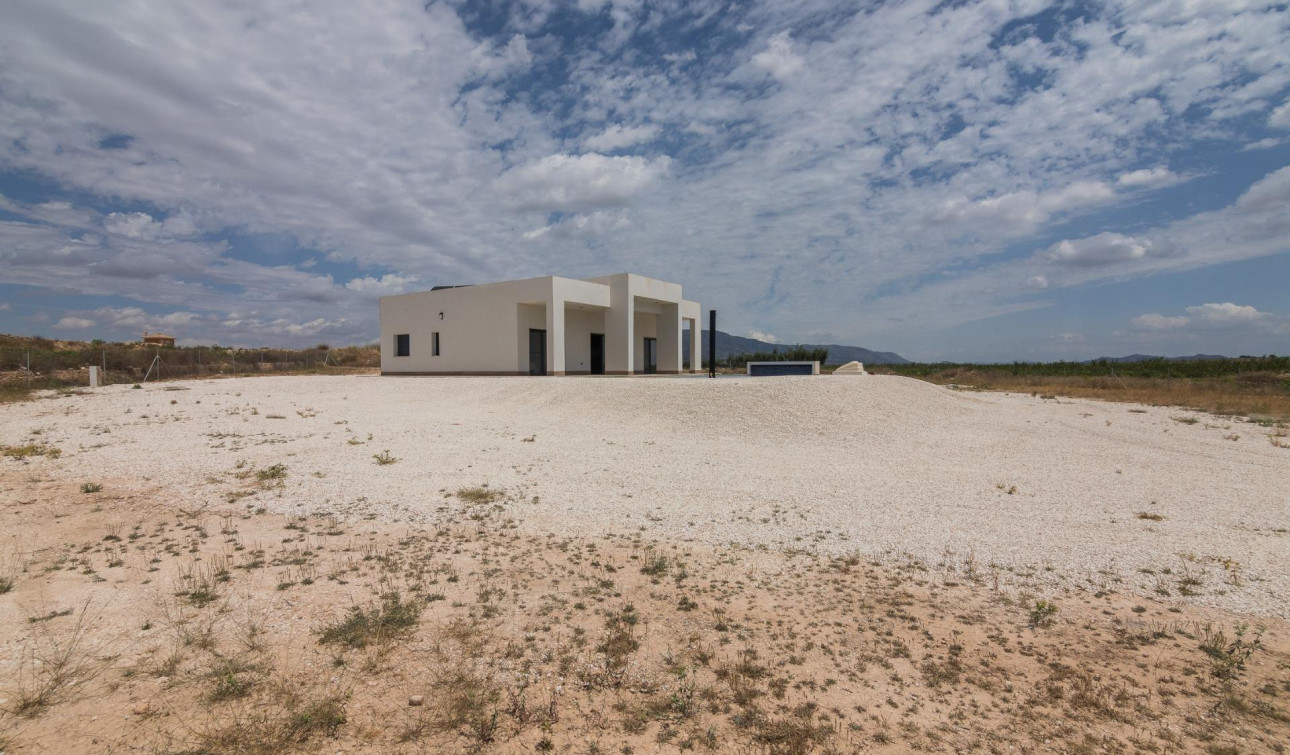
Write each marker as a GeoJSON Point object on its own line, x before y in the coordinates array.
{"type": "Point", "coordinates": [579, 324]}
{"type": "Point", "coordinates": [485, 328]}
{"type": "Point", "coordinates": [645, 326]}
{"type": "Point", "coordinates": [478, 331]}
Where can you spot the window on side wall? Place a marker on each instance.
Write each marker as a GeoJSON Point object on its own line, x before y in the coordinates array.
{"type": "Point", "coordinates": [403, 345]}
{"type": "Point", "coordinates": [434, 344]}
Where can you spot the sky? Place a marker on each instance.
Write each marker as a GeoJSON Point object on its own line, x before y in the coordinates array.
{"type": "Point", "coordinates": [989, 181]}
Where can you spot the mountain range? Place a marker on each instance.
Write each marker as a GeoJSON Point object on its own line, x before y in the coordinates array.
{"type": "Point", "coordinates": [728, 345]}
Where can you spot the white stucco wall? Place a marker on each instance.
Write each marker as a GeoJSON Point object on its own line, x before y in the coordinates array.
{"type": "Point", "coordinates": [579, 324]}
{"type": "Point", "coordinates": [646, 326]}
{"type": "Point", "coordinates": [485, 328]}
{"type": "Point", "coordinates": [478, 331]}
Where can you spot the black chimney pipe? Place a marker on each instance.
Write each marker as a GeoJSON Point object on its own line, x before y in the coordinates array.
{"type": "Point", "coordinates": [712, 343]}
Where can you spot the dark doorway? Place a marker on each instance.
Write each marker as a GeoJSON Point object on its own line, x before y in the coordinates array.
{"type": "Point", "coordinates": [537, 351]}
{"type": "Point", "coordinates": [597, 353]}
{"type": "Point", "coordinates": [651, 356]}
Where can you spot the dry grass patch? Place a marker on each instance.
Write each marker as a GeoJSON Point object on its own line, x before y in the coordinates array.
{"type": "Point", "coordinates": [29, 450]}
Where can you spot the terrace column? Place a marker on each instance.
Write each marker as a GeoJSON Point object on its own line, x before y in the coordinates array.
{"type": "Point", "coordinates": [696, 339]}
{"type": "Point", "coordinates": [669, 339]}
{"type": "Point", "coordinates": [620, 329]}
{"type": "Point", "coordinates": [555, 336]}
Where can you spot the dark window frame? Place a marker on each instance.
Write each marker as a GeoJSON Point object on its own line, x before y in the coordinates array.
{"type": "Point", "coordinates": [403, 345]}
{"type": "Point", "coordinates": [434, 344]}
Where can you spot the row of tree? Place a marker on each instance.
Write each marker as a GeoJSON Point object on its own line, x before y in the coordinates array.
{"type": "Point", "coordinates": [788, 354]}
{"type": "Point", "coordinates": [1148, 368]}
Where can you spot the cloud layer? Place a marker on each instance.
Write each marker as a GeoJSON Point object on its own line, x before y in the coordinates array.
{"type": "Point", "coordinates": [875, 170]}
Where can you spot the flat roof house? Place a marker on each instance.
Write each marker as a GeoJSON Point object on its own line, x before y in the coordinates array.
{"type": "Point", "coordinates": [158, 339]}
{"type": "Point", "coordinates": [615, 325]}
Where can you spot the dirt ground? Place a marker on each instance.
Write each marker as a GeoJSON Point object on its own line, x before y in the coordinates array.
{"type": "Point", "coordinates": [132, 624]}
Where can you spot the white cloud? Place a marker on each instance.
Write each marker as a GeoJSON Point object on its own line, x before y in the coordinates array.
{"type": "Point", "coordinates": [582, 225]}
{"type": "Point", "coordinates": [619, 136]}
{"type": "Point", "coordinates": [1155, 321]}
{"type": "Point", "coordinates": [1148, 178]}
{"type": "Point", "coordinates": [1280, 118]}
{"type": "Point", "coordinates": [74, 323]}
{"type": "Point", "coordinates": [134, 317]}
{"type": "Point", "coordinates": [757, 335]}
{"type": "Point", "coordinates": [1071, 338]}
{"type": "Point", "coordinates": [1022, 211]}
{"type": "Point", "coordinates": [1226, 313]}
{"type": "Point", "coordinates": [1213, 317]}
{"type": "Point", "coordinates": [1102, 249]}
{"type": "Point", "coordinates": [399, 137]}
{"type": "Point", "coordinates": [572, 183]}
{"type": "Point", "coordinates": [386, 285]}
{"type": "Point", "coordinates": [778, 58]}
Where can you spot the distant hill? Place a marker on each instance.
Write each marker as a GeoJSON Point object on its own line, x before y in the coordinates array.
{"type": "Point", "coordinates": [728, 344]}
{"type": "Point", "coordinates": [1149, 357]}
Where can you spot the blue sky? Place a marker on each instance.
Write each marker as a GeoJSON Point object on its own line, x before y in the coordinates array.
{"type": "Point", "coordinates": [949, 180]}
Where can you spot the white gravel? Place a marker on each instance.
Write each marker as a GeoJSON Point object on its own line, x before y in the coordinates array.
{"type": "Point", "coordinates": [993, 483]}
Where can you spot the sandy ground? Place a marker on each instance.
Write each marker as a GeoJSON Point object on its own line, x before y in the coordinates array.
{"type": "Point", "coordinates": [133, 625]}
{"type": "Point", "coordinates": [1005, 486]}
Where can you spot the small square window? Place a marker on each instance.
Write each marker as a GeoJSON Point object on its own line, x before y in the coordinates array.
{"type": "Point", "coordinates": [434, 344]}
{"type": "Point", "coordinates": [402, 345]}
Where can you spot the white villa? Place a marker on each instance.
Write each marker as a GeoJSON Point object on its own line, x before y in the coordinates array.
{"type": "Point", "coordinates": [616, 325]}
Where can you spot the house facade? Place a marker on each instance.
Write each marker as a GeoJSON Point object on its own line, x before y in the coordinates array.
{"type": "Point", "coordinates": [614, 325]}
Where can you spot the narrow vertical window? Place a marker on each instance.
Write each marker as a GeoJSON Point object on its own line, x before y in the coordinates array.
{"type": "Point", "coordinates": [434, 344]}
{"type": "Point", "coordinates": [402, 345]}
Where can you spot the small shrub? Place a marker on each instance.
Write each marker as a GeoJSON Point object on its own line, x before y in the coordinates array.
{"type": "Point", "coordinates": [324, 716]}
{"type": "Point", "coordinates": [655, 565]}
{"type": "Point", "coordinates": [1228, 657]}
{"type": "Point", "coordinates": [1041, 615]}
{"type": "Point", "coordinates": [391, 618]}
{"type": "Point", "coordinates": [275, 472]}
{"type": "Point", "coordinates": [31, 449]}
{"type": "Point", "coordinates": [1151, 516]}
{"type": "Point", "coordinates": [91, 487]}
{"type": "Point", "coordinates": [479, 494]}
{"type": "Point", "coordinates": [384, 458]}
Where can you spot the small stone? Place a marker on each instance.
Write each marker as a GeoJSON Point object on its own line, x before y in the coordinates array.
{"type": "Point", "coordinates": [416, 700]}
{"type": "Point", "coordinates": [141, 708]}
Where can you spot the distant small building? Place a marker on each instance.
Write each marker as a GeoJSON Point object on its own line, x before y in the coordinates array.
{"type": "Point", "coordinates": [157, 339]}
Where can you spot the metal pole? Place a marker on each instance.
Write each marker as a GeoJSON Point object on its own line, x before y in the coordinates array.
{"type": "Point", "coordinates": [712, 343]}
{"type": "Point", "coordinates": [105, 367]}
{"type": "Point", "coordinates": [29, 369]}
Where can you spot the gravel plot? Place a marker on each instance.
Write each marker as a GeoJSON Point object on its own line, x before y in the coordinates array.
{"type": "Point", "coordinates": [1006, 486]}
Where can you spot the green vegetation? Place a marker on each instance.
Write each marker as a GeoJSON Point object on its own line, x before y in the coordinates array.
{"type": "Point", "coordinates": [788, 354]}
{"type": "Point", "coordinates": [1254, 387]}
{"type": "Point", "coordinates": [31, 449]}
{"type": "Point", "coordinates": [480, 494]}
{"type": "Point", "coordinates": [391, 618]}
{"type": "Point", "coordinates": [1043, 613]}
{"type": "Point", "coordinates": [269, 474]}
{"type": "Point", "coordinates": [1275, 366]}
{"type": "Point", "coordinates": [60, 364]}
